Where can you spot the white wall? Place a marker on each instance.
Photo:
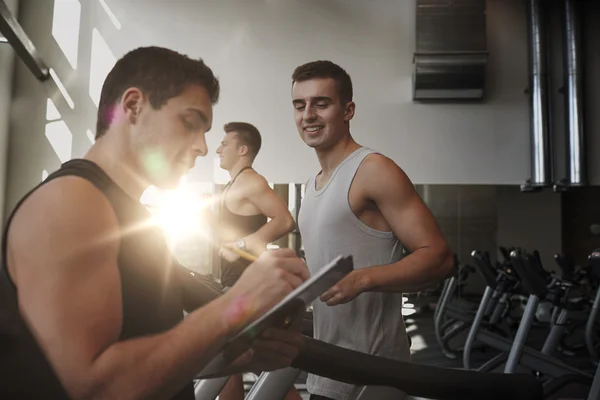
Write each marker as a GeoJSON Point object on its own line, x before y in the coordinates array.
{"type": "Point", "coordinates": [254, 47]}
{"type": "Point", "coordinates": [7, 58]}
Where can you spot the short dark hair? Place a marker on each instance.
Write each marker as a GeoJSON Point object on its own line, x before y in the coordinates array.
{"type": "Point", "coordinates": [160, 73]}
{"type": "Point", "coordinates": [326, 69]}
{"type": "Point", "coordinates": [247, 135]}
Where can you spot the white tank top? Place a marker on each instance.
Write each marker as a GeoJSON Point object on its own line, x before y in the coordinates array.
{"type": "Point", "coordinates": [372, 323]}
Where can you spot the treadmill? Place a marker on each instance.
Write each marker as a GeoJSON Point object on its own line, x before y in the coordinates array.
{"type": "Point", "coordinates": [373, 377]}
{"type": "Point", "coordinates": [380, 378]}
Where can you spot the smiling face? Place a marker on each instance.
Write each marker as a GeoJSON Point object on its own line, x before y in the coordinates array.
{"type": "Point", "coordinates": [321, 119]}
{"type": "Point", "coordinates": [168, 140]}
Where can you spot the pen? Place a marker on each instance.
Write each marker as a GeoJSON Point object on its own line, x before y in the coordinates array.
{"type": "Point", "coordinates": [245, 255]}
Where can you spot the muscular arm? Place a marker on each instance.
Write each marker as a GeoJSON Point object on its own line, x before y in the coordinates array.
{"type": "Point", "coordinates": [385, 184]}
{"type": "Point", "coordinates": [62, 251]}
{"type": "Point", "coordinates": [270, 204]}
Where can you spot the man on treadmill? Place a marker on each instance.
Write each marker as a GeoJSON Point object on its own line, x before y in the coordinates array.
{"type": "Point", "coordinates": [91, 300]}
{"type": "Point", "coordinates": [245, 204]}
{"type": "Point", "coordinates": [362, 204]}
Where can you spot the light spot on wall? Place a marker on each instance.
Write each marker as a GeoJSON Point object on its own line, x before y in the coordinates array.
{"type": "Point", "coordinates": [62, 88]}
{"type": "Point", "coordinates": [90, 136]}
{"type": "Point", "coordinates": [44, 175]}
{"type": "Point", "coordinates": [61, 139]}
{"type": "Point", "coordinates": [52, 112]}
{"type": "Point", "coordinates": [292, 199]}
{"type": "Point", "coordinates": [111, 15]}
{"type": "Point", "coordinates": [65, 28]}
{"type": "Point", "coordinates": [102, 61]}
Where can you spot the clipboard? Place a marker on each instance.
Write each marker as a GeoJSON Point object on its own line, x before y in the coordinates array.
{"type": "Point", "coordinates": [282, 314]}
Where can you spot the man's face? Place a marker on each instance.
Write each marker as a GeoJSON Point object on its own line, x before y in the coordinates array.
{"type": "Point", "coordinates": [319, 115]}
{"type": "Point", "coordinates": [168, 140]}
{"type": "Point", "coordinates": [229, 151]}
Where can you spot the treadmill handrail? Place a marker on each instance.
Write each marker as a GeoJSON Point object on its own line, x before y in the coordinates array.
{"type": "Point", "coordinates": [534, 279]}
{"type": "Point", "coordinates": [356, 368]}
{"type": "Point", "coordinates": [485, 268]}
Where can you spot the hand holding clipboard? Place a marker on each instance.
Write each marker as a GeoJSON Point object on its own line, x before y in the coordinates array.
{"type": "Point", "coordinates": [282, 315]}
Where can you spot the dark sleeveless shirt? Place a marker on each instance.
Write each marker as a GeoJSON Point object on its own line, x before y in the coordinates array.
{"type": "Point", "coordinates": [151, 293]}
{"type": "Point", "coordinates": [243, 225]}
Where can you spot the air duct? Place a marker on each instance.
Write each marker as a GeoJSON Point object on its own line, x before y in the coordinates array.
{"type": "Point", "coordinates": [539, 121]}
{"type": "Point", "coordinates": [573, 90]}
{"type": "Point", "coordinates": [451, 50]}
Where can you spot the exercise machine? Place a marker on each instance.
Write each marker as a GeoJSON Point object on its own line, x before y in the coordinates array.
{"type": "Point", "coordinates": [540, 285]}
{"type": "Point", "coordinates": [382, 378]}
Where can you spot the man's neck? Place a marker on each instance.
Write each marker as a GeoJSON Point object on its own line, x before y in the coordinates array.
{"type": "Point", "coordinates": [330, 158]}
{"type": "Point", "coordinates": [118, 164]}
{"type": "Point", "coordinates": [238, 167]}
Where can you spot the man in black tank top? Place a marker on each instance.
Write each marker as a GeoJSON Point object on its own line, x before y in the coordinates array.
{"type": "Point", "coordinates": [91, 301]}
{"type": "Point", "coordinates": [246, 203]}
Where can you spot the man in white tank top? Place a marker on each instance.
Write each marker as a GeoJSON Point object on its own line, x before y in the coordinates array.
{"type": "Point", "coordinates": [361, 204]}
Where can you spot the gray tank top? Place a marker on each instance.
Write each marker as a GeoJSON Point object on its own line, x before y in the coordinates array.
{"type": "Point", "coordinates": [371, 323]}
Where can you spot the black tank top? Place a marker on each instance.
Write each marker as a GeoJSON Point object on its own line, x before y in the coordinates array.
{"type": "Point", "coordinates": [243, 225]}
{"type": "Point", "coordinates": [151, 293]}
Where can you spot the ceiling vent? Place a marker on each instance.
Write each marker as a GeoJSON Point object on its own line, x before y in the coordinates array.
{"type": "Point", "coordinates": [451, 50]}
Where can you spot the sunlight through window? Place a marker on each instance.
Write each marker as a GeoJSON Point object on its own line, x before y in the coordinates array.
{"type": "Point", "coordinates": [111, 15]}
{"type": "Point", "coordinates": [65, 28]}
{"type": "Point", "coordinates": [178, 212]}
{"type": "Point", "coordinates": [61, 139]}
{"type": "Point", "coordinates": [102, 61]}
{"type": "Point", "coordinates": [62, 88]}
{"type": "Point", "coordinates": [51, 111]}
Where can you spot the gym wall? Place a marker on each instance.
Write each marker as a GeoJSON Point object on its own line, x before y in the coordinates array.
{"type": "Point", "coordinates": [254, 47]}
{"type": "Point", "coordinates": [453, 149]}
{"type": "Point", "coordinates": [7, 62]}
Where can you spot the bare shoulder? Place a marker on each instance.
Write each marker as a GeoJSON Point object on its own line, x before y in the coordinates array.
{"type": "Point", "coordinates": [62, 214]}
{"type": "Point", "coordinates": [66, 197]}
{"type": "Point", "coordinates": [382, 173]}
{"type": "Point", "coordinates": [253, 182]}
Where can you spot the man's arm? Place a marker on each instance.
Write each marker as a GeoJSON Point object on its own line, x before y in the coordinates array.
{"type": "Point", "coordinates": [410, 219]}
{"type": "Point", "coordinates": [382, 182]}
{"type": "Point", "coordinates": [62, 248]}
{"type": "Point", "coordinates": [270, 204]}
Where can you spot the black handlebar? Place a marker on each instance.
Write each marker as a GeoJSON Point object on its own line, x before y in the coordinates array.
{"type": "Point", "coordinates": [416, 380]}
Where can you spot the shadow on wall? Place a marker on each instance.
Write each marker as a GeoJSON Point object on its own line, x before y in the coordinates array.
{"type": "Point", "coordinates": [79, 60]}
{"type": "Point", "coordinates": [92, 65]}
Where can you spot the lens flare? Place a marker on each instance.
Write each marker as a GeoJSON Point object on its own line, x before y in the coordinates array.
{"type": "Point", "coordinates": [156, 165]}
{"type": "Point", "coordinates": [180, 213]}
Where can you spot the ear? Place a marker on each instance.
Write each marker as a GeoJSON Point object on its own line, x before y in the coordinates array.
{"type": "Point", "coordinates": [349, 111]}
{"type": "Point", "coordinates": [243, 150]}
{"type": "Point", "coordinates": [131, 104]}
